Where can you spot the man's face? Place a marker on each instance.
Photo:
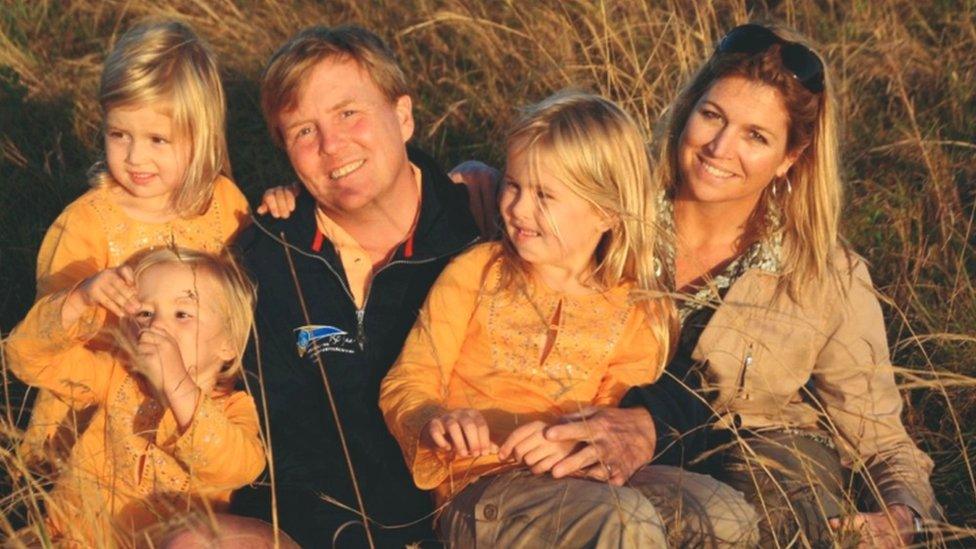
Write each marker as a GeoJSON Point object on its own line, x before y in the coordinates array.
{"type": "Point", "coordinates": [346, 140]}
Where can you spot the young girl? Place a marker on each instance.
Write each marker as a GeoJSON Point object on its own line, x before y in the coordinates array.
{"type": "Point", "coordinates": [168, 434]}
{"type": "Point", "coordinates": [564, 313]}
{"type": "Point", "coordinates": [165, 179]}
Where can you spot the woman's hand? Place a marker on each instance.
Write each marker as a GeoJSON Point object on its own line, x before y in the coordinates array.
{"type": "Point", "coordinates": [528, 445]}
{"type": "Point", "coordinates": [620, 441]}
{"type": "Point", "coordinates": [878, 530]}
{"type": "Point", "coordinates": [279, 201]}
{"type": "Point", "coordinates": [463, 431]}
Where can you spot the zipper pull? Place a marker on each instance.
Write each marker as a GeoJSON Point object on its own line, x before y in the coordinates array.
{"type": "Point", "coordinates": [746, 363]}
{"type": "Point", "coordinates": [360, 328]}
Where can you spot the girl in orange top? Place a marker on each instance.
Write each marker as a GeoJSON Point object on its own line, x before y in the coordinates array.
{"type": "Point", "coordinates": [164, 180]}
{"type": "Point", "coordinates": [564, 313]}
{"type": "Point", "coordinates": [168, 434]}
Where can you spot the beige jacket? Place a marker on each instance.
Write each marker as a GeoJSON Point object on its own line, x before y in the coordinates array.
{"type": "Point", "coordinates": [765, 353]}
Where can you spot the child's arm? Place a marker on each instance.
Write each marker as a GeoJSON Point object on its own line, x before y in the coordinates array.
{"type": "Point", "coordinates": [221, 445]}
{"type": "Point", "coordinates": [413, 392]}
{"type": "Point", "coordinates": [48, 349]}
{"type": "Point", "coordinates": [73, 249]}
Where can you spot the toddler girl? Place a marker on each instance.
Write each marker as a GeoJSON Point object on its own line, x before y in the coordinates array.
{"type": "Point", "coordinates": [168, 434]}
{"type": "Point", "coordinates": [164, 180]}
{"type": "Point", "coordinates": [566, 312]}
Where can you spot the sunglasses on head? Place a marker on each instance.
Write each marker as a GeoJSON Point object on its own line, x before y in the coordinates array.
{"type": "Point", "coordinates": [797, 58]}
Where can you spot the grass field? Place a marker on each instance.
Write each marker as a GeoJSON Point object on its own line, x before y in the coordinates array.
{"type": "Point", "coordinates": [905, 70]}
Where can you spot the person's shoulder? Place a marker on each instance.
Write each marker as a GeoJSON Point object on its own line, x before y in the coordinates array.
{"type": "Point", "coordinates": [847, 266]}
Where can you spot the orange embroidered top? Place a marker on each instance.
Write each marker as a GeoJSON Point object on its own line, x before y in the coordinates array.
{"type": "Point", "coordinates": [93, 234]}
{"type": "Point", "coordinates": [131, 467]}
{"type": "Point", "coordinates": [477, 346]}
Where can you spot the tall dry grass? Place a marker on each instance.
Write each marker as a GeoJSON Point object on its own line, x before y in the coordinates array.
{"type": "Point", "coordinates": [905, 70]}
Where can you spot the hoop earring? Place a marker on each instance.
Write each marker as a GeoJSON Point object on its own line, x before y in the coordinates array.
{"type": "Point", "coordinates": [789, 186]}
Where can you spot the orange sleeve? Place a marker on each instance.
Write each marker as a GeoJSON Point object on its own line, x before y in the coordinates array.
{"type": "Point", "coordinates": [42, 353]}
{"type": "Point", "coordinates": [635, 360]}
{"type": "Point", "coordinates": [233, 204]}
{"type": "Point", "coordinates": [222, 446]}
{"type": "Point", "coordinates": [73, 249]}
{"type": "Point", "coordinates": [413, 391]}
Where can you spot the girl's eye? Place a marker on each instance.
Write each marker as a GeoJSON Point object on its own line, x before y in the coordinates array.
{"type": "Point", "coordinates": [182, 315]}
{"type": "Point", "coordinates": [710, 114]}
{"type": "Point", "coordinates": [758, 137]}
{"type": "Point", "coordinates": [159, 140]}
{"type": "Point", "coordinates": [144, 315]}
{"type": "Point", "coordinates": [542, 196]}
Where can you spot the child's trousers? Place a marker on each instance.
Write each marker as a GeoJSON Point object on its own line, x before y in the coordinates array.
{"type": "Point", "coordinates": [661, 506]}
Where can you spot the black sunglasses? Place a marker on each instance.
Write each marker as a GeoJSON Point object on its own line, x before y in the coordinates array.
{"type": "Point", "coordinates": [797, 58]}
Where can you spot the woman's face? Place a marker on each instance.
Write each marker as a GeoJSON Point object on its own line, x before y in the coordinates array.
{"type": "Point", "coordinates": [734, 143]}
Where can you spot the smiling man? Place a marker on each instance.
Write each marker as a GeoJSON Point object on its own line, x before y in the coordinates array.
{"type": "Point", "coordinates": [340, 282]}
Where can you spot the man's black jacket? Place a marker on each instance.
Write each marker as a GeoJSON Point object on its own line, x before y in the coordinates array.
{"type": "Point", "coordinates": [356, 348]}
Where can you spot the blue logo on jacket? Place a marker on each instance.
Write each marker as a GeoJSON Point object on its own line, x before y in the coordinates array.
{"type": "Point", "coordinates": [317, 338]}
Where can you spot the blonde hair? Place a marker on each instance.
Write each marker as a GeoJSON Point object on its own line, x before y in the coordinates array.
{"type": "Point", "coordinates": [600, 155]}
{"type": "Point", "coordinates": [235, 301]}
{"type": "Point", "coordinates": [810, 213]}
{"type": "Point", "coordinates": [166, 62]}
{"type": "Point", "coordinates": [290, 66]}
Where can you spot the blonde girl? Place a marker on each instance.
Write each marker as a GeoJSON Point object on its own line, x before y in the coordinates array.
{"type": "Point", "coordinates": [566, 312]}
{"type": "Point", "coordinates": [167, 434]}
{"type": "Point", "coordinates": [165, 180]}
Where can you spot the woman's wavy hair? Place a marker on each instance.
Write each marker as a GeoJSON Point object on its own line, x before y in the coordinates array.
{"type": "Point", "coordinates": [599, 152]}
{"type": "Point", "coordinates": [810, 213]}
{"type": "Point", "coordinates": [234, 302]}
{"type": "Point", "coordinates": [164, 62]}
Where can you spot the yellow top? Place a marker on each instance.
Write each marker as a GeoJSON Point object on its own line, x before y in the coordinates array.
{"type": "Point", "coordinates": [516, 355]}
{"type": "Point", "coordinates": [93, 234]}
{"type": "Point", "coordinates": [130, 467]}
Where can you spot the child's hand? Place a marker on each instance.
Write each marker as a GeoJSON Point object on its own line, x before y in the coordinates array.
{"type": "Point", "coordinates": [279, 201]}
{"type": "Point", "coordinates": [464, 431]}
{"type": "Point", "coordinates": [113, 289]}
{"type": "Point", "coordinates": [528, 445]}
{"type": "Point", "coordinates": [159, 361]}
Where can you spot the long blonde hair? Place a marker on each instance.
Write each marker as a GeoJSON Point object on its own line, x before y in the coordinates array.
{"type": "Point", "coordinates": [235, 302]}
{"type": "Point", "coordinates": [600, 155]}
{"type": "Point", "coordinates": [166, 62]}
{"type": "Point", "coordinates": [810, 213]}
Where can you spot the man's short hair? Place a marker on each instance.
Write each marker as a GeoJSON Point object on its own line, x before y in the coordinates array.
{"type": "Point", "coordinates": [290, 66]}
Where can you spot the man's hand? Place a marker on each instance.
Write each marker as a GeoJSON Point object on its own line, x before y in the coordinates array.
{"type": "Point", "coordinates": [878, 530]}
{"type": "Point", "coordinates": [279, 201]}
{"type": "Point", "coordinates": [463, 431]}
{"type": "Point", "coordinates": [528, 445]}
{"type": "Point", "coordinates": [620, 441]}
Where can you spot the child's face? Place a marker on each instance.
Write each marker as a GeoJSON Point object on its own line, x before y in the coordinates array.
{"type": "Point", "coordinates": [144, 152]}
{"type": "Point", "coordinates": [170, 299]}
{"type": "Point", "coordinates": [549, 224]}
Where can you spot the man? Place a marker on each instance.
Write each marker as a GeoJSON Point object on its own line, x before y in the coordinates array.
{"type": "Point", "coordinates": [340, 282]}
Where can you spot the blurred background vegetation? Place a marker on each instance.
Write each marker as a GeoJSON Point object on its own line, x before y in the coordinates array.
{"type": "Point", "coordinates": [905, 70]}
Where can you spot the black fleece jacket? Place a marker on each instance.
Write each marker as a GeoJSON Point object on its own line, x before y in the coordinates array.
{"type": "Point", "coordinates": [356, 347]}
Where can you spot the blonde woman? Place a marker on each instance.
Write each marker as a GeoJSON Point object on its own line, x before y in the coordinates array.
{"type": "Point", "coordinates": [781, 328]}
{"type": "Point", "coordinates": [565, 312]}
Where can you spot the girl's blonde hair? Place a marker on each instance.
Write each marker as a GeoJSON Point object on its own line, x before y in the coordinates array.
{"type": "Point", "coordinates": [166, 62]}
{"type": "Point", "coordinates": [599, 152]}
{"type": "Point", "coordinates": [235, 301]}
{"type": "Point", "coordinates": [809, 214]}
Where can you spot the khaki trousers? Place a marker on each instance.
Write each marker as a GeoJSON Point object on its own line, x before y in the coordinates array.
{"type": "Point", "coordinates": [662, 506]}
